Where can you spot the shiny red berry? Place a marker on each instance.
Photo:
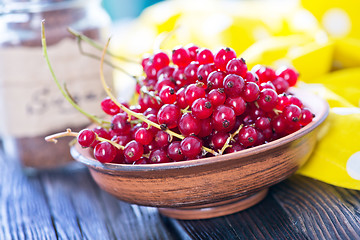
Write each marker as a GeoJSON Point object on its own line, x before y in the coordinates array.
{"type": "Point", "coordinates": [205, 56]}
{"type": "Point", "coordinates": [105, 152]}
{"type": "Point", "coordinates": [169, 115]}
{"type": "Point", "coordinates": [191, 146]}
{"type": "Point", "coordinates": [181, 57]}
{"type": "Point", "coordinates": [202, 108]}
{"type": "Point", "coordinates": [133, 151]}
{"type": "Point", "coordinates": [233, 85]}
{"type": "Point", "coordinates": [109, 107]}
{"type": "Point", "coordinates": [223, 118]}
{"type": "Point", "coordinates": [222, 57]}
{"type": "Point", "coordinates": [160, 60]}
{"type": "Point", "coordinates": [189, 125]}
{"type": "Point", "coordinates": [237, 66]}
{"type": "Point", "coordinates": [290, 75]}
{"type": "Point", "coordinates": [86, 137]}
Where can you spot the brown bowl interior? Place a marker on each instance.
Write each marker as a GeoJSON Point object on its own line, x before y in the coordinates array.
{"type": "Point", "coordinates": [214, 179]}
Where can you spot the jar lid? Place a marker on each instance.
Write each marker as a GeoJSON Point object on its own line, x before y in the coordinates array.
{"type": "Point", "coordinates": [31, 6]}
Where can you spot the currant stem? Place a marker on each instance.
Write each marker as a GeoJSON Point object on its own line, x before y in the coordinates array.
{"type": "Point", "coordinates": [144, 90]}
{"type": "Point", "coordinates": [98, 46]}
{"type": "Point", "coordinates": [53, 138]}
{"type": "Point", "coordinates": [228, 140]}
{"type": "Point", "coordinates": [63, 91]}
{"type": "Point", "coordinates": [130, 112]}
{"type": "Point", "coordinates": [105, 61]}
{"type": "Point", "coordinates": [276, 111]}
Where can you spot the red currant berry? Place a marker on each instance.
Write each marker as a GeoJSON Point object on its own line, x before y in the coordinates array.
{"type": "Point", "coordinates": [163, 83]}
{"type": "Point", "coordinates": [133, 151]}
{"type": "Point", "coordinates": [288, 74]}
{"type": "Point", "coordinates": [193, 92]}
{"type": "Point", "coordinates": [237, 104]}
{"type": "Point", "coordinates": [205, 56]}
{"type": "Point", "coordinates": [218, 140]}
{"type": "Point", "coordinates": [251, 92]}
{"type": "Point", "coordinates": [121, 139]}
{"type": "Point", "coordinates": [105, 152]}
{"type": "Point", "coordinates": [191, 72]}
{"type": "Point", "coordinates": [144, 136]}
{"type": "Point", "coordinates": [278, 124]}
{"type": "Point", "coordinates": [201, 108]}
{"type": "Point", "coordinates": [251, 77]}
{"type": "Point", "coordinates": [217, 97]}
{"type": "Point", "coordinates": [169, 115]}
{"type": "Point", "coordinates": [181, 57]}
{"type": "Point", "coordinates": [267, 100]}
{"type": "Point", "coordinates": [262, 123]}
{"type": "Point", "coordinates": [153, 119]}
{"type": "Point", "coordinates": [265, 74]}
{"type": "Point", "coordinates": [191, 146]}
{"type": "Point", "coordinates": [160, 60]}
{"type": "Point", "coordinates": [280, 85]}
{"type": "Point", "coordinates": [162, 139]}
{"type": "Point", "coordinates": [192, 49]}
{"type": "Point", "coordinates": [268, 85]}
{"type": "Point", "coordinates": [248, 136]}
{"type": "Point", "coordinates": [174, 151]}
{"type": "Point", "coordinates": [167, 95]}
{"type": "Point", "coordinates": [109, 107]}
{"type": "Point", "coordinates": [150, 111]}
{"type": "Point", "coordinates": [86, 137]}
{"type": "Point", "coordinates": [101, 132]}
{"type": "Point", "coordinates": [222, 57]}
{"type": "Point", "coordinates": [159, 156]}
{"type": "Point", "coordinates": [206, 127]}
{"type": "Point", "coordinates": [291, 114]}
{"type": "Point", "coordinates": [150, 147]}
{"type": "Point", "coordinates": [234, 148]}
{"type": "Point", "coordinates": [145, 60]}
{"type": "Point", "coordinates": [180, 98]}
{"type": "Point", "coordinates": [237, 66]}
{"type": "Point", "coordinates": [306, 117]}
{"type": "Point", "coordinates": [233, 85]}
{"type": "Point", "coordinates": [120, 124]}
{"type": "Point", "coordinates": [223, 118]}
{"type": "Point", "coordinates": [150, 70]}
{"type": "Point", "coordinates": [165, 72]}
{"type": "Point", "coordinates": [141, 161]}
{"type": "Point", "coordinates": [283, 101]}
{"type": "Point", "coordinates": [294, 100]}
{"type": "Point", "coordinates": [189, 125]}
{"type": "Point", "coordinates": [215, 80]}
{"type": "Point", "coordinates": [204, 71]}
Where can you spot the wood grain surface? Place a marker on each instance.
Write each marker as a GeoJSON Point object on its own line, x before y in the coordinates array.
{"type": "Point", "coordinates": [69, 205]}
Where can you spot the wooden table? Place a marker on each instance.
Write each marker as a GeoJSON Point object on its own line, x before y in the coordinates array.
{"type": "Point", "coordinates": [69, 205]}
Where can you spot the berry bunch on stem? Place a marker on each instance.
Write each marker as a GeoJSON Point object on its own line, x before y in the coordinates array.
{"type": "Point", "coordinates": [194, 103]}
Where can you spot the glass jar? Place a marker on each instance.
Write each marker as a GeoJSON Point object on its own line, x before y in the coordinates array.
{"type": "Point", "coordinates": [31, 106]}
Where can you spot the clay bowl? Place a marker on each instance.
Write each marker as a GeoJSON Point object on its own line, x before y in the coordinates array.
{"type": "Point", "coordinates": [214, 186]}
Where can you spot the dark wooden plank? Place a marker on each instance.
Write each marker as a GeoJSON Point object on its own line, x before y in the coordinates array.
{"type": "Point", "coordinates": [135, 222]}
{"type": "Point", "coordinates": [59, 188]}
{"type": "Point", "coordinates": [320, 210]}
{"type": "Point", "coordinates": [24, 213]}
{"type": "Point", "coordinates": [266, 220]}
{"type": "Point", "coordinates": [81, 210]}
{"type": "Point", "coordinates": [76, 206]}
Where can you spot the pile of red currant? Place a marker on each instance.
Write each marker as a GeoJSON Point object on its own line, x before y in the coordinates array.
{"type": "Point", "coordinates": [200, 103]}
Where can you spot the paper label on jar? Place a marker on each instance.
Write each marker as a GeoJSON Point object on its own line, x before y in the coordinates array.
{"type": "Point", "coordinates": [30, 102]}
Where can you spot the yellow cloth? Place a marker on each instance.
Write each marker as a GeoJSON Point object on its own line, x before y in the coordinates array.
{"type": "Point", "coordinates": [321, 39]}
